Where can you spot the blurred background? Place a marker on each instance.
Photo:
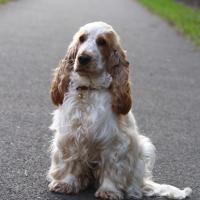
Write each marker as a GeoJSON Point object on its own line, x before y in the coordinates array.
{"type": "Point", "coordinates": [162, 39]}
{"type": "Point", "coordinates": [195, 3]}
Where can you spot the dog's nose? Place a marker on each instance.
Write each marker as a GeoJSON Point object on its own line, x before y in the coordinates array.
{"type": "Point", "coordinates": [84, 59]}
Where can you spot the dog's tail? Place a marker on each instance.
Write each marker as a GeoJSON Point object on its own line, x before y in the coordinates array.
{"type": "Point", "coordinates": [150, 188]}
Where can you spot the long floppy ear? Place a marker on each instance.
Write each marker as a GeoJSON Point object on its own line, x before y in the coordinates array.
{"type": "Point", "coordinates": [120, 87]}
{"type": "Point", "coordinates": [61, 76]}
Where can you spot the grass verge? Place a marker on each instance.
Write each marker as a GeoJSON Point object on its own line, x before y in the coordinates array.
{"type": "Point", "coordinates": [184, 18]}
{"type": "Point", "coordinates": [3, 1]}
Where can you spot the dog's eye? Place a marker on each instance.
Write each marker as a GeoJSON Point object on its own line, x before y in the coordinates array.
{"type": "Point", "coordinates": [82, 38]}
{"type": "Point", "coordinates": [101, 42]}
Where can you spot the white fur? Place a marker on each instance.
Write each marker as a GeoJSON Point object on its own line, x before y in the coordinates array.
{"type": "Point", "coordinates": [93, 30]}
{"type": "Point", "coordinates": [126, 157]}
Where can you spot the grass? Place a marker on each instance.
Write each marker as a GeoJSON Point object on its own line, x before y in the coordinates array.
{"type": "Point", "coordinates": [185, 19]}
{"type": "Point", "coordinates": [3, 1]}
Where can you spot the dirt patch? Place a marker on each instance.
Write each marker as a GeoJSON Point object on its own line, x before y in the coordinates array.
{"type": "Point", "coordinates": [192, 3]}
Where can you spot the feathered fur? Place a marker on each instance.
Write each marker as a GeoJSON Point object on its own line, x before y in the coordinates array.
{"type": "Point", "coordinates": [96, 136]}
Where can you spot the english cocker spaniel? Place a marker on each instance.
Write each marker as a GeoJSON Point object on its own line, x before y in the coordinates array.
{"type": "Point", "coordinates": [96, 137]}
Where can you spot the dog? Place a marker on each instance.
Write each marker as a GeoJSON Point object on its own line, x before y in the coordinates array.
{"type": "Point", "coordinates": [96, 136]}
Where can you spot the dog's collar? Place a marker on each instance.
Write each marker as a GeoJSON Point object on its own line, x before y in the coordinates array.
{"type": "Point", "coordinates": [81, 90]}
{"type": "Point", "coordinates": [84, 87]}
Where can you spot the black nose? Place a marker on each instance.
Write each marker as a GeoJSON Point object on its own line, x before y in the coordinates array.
{"type": "Point", "coordinates": [84, 59]}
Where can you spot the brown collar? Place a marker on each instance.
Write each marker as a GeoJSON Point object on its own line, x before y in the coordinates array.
{"type": "Point", "coordinates": [83, 87]}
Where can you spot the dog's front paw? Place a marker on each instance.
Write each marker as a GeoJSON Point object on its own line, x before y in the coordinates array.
{"type": "Point", "coordinates": [106, 194]}
{"type": "Point", "coordinates": [61, 187]}
{"type": "Point", "coordinates": [69, 185]}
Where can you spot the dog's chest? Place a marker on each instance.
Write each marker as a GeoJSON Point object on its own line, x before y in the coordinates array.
{"type": "Point", "coordinates": [86, 123]}
{"type": "Point", "coordinates": [86, 117]}
{"type": "Point", "coordinates": [87, 114]}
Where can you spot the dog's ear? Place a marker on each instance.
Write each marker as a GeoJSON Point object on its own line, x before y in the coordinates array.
{"type": "Point", "coordinates": [120, 87]}
{"type": "Point", "coordinates": [61, 75]}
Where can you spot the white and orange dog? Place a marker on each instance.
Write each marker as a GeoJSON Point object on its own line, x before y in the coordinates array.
{"type": "Point", "coordinates": [96, 137]}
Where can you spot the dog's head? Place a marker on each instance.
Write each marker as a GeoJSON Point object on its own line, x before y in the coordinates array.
{"type": "Point", "coordinates": [95, 49]}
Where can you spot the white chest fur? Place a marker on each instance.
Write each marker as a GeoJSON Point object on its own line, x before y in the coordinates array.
{"type": "Point", "coordinates": [86, 113]}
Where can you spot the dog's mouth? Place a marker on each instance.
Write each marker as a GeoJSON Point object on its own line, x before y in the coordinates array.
{"type": "Point", "coordinates": [87, 71]}
{"type": "Point", "coordinates": [82, 71]}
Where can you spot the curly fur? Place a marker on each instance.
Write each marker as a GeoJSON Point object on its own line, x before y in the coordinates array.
{"type": "Point", "coordinates": [96, 136]}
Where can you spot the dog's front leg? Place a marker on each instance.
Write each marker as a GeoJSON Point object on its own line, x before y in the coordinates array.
{"type": "Point", "coordinates": [64, 176]}
{"type": "Point", "coordinates": [109, 185]}
{"type": "Point", "coordinates": [67, 176]}
{"type": "Point", "coordinates": [108, 190]}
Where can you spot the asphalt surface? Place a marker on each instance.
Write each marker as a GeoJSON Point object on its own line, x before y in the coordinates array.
{"type": "Point", "coordinates": [166, 89]}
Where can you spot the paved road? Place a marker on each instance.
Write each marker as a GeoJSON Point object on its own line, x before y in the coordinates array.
{"type": "Point", "coordinates": [166, 88]}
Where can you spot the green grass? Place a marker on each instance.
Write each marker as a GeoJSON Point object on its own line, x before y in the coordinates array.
{"type": "Point", "coordinates": [185, 19]}
{"type": "Point", "coordinates": [3, 1]}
